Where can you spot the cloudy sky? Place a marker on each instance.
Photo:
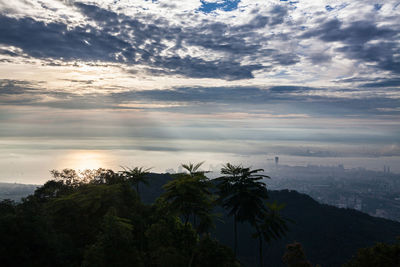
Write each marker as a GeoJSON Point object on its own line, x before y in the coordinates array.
{"type": "Point", "coordinates": [85, 84]}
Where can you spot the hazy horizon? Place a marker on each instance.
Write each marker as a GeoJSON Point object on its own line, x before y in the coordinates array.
{"type": "Point", "coordinates": [157, 83]}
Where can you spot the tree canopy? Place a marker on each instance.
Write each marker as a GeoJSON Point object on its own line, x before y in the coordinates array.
{"type": "Point", "coordinates": [100, 221]}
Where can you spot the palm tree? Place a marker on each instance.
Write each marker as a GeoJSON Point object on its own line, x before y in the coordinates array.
{"type": "Point", "coordinates": [271, 226]}
{"type": "Point", "coordinates": [190, 196]}
{"type": "Point", "coordinates": [136, 176]}
{"type": "Point", "coordinates": [242, 192]}
{"type": "Point", "coordinates": [193, 169]}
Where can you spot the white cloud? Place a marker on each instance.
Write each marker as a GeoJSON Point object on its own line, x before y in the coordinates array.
{"type": "Point", "coordinates": [173, 46]}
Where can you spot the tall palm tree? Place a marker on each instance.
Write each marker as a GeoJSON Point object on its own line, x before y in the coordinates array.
{"type": "Point", "coordinates": [243, 193]}
{"type": "Point", "coordinates": [193, 169]}
{"type": "Point", "coordinates": [136, 176]}
{"type": "Point", "coordinates": [190, 196]}
{"type": "Point", "coordinates": [271, 226]}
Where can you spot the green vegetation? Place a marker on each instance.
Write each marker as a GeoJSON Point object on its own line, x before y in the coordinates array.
{"type": "Point", "coordinates": [380, 255]}
{"type": "Point", "coordinates": [136, 176]}
{"type": "Point", "coordinates": [295, 257]}
{"type": "Point", "coordinates": [330, 236]}
{"type": "Point", "coordinates": [243, 194]}
{"type": "Point", "coordinates": [97, 218]}
{"type": "Point", "coordinates": [189, 196]}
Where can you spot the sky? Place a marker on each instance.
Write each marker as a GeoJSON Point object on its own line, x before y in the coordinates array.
{"type": "Point", "coordinates": [110, 83]}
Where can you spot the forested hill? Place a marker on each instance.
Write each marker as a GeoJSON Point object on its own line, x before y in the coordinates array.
{"type": "Point", "coordinates": [329, 235]}
{"type": "Point", "coordinates": [106, 223]}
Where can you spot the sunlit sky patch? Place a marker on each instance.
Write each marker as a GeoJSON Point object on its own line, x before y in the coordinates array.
{"type": "Point", "coordinates": [86, 83]}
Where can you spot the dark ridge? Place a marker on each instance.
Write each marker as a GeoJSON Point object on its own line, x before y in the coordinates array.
{"type": "Point", "coordinates": [329, 235]}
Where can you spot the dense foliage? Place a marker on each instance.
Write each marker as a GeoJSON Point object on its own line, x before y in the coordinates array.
{"type": "Point", "coordinates": [380, 255]}
{"type": "Point", "coordinates": [295, 257]}
{"type": "Point", "coordinates": [100, 221]}
{"type": "Point", "coordinates": [330, 236]}
{"type": "Point", "coordinates": [98, 218]}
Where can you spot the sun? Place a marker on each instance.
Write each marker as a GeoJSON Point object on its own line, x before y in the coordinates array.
{"type": "Point", "coordinates": [82, 160]}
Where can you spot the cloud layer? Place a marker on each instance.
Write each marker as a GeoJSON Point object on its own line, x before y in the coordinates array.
{"type": "Point", "coordinates": [301, 78]}
{"type": "Point", "coordinates": [201, 43]}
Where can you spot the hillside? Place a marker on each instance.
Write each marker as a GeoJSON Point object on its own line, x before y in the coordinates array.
{"type": "Point", "coordinates": [329, 235]}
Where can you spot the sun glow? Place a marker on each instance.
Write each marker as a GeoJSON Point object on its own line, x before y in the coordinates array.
{"type": "Point", "coordinates": [82, 160]}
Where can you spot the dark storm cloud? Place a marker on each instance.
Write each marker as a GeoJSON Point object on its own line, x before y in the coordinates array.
{"type": "Point", "coordinates": [215, 36]}
{"type": "Point", "coordinates": [317, 58]}
{"type": "Point", "coordinates": [200, 94]}
{"type": "Point", "coordinates": [139, 40]}
{"type": "Point", "coordinates": [286, 59]}
{"type": "Point", "coordinates": [357, 32]}
{"type": "Point", "coordinates": [17, 87]}
{"type": "Point", "coordinates": [198, 68]}
{"type": "Point", "coordinates": [356, 38]}
{"type": "Point", "coordinates": [24, 93]}
{"type": "Point", "coordinates": [79, 81]}
{"type": "Point", "coordinates": [278, 14]}
{"type": "Point", "coordinates": [55, 40]}
{"type": "Point", "coordinates": [223, 37]}
{"type": "Point", "coordinates": [356, 79]}
{"type": "Point", "coordinates": [383, 54]}
{"type": "Point", "coordinates": [251, 99]}
{"type": "Point", "coordinates": [8, 52]}
{"type": "Point", "coordinates": [288, 89]}
{"type": "Point", "coordinates": [383, 83]}
{"type": "Point", "coordinates": [283, 99]}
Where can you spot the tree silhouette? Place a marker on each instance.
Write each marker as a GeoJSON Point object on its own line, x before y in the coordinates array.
{"type": "Point", "coordinates": [295, 257]}
{"type": "Point", "coordinates": [381, 254]}
{"type": "Point", "coordinates": [50, 189]}
{"type": "Point", "coordinates": [193, 169]}
{"type": "Point", "coordinates": [271, 226]}
{"type": "Point", "coordinates": [136, 176]}
{"type": "Point", "coordinates": [189, 195]}
{"type": "Point", "coordinates": [68, 177]}
{"type": "Point", "coordinates": [103, 176]}
{"type": "Point", "coordinates": [242, 192]}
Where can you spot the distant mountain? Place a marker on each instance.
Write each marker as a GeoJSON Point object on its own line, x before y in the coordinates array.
{"type": "Point", "coordinates": [16, 191]}
{"type": "Point", "coordinates": [329, 235]}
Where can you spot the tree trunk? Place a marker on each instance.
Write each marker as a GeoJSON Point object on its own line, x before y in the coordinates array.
{"type": "Point", "coordinates": [194, 249]}
{"type": "Point", "coordinates": [260, 249]}
{"type": "Point", "coordinates": [191, 259]}
{"type": "Point", "coordinates": [235, 229]}
{"type": "Point", "coordinates": [266, 252]}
